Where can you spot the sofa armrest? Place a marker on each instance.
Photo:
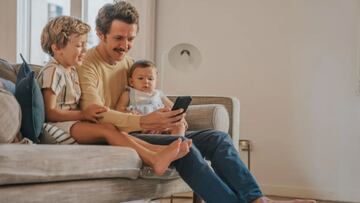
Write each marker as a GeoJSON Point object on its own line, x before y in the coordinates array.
{"type": "Point", "coordinates": [231, 104]}
{"type": "Point", "coordinates": [207, 116]}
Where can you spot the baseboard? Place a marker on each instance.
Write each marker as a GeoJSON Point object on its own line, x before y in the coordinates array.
{"type": "Point", "coordinates": [318, 194]}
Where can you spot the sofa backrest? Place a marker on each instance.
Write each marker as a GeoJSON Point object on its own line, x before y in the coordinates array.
{"type": "Point", "coordinates": [9, 71]}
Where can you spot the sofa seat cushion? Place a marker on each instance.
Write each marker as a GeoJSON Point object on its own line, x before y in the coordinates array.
{"type": "Point", "coordinates": [49, 163]}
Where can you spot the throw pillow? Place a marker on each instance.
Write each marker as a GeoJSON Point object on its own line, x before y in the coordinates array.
{"type": "Point", "coordinates": [7, 85]}
{"type": "Point", "coordinates": [29, 96]}
{"type": "Point", "coordinates": [7, 71]}
{"type": "Point", "coordinates": [23, 71]}
{"type": "Point", "coordinates": [10, 117]}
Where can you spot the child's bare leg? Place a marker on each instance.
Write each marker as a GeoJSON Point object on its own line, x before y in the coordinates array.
{"type": "Point", "coordinates": [267, 200]}
{"type": "Point", "coordinates": [184, 146]}
{"type": "Point", "coordinates": [86, 133]}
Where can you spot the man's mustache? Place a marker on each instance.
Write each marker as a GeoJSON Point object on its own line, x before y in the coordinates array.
{"type": "Point", "coordinates": [119, 49]}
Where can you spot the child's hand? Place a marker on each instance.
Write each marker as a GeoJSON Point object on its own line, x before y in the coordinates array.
{"type": "Point", "coordinates": [91, 113]}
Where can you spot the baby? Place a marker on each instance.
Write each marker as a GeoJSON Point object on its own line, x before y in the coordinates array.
{"type": "Point", "coordinates": [141, 97]}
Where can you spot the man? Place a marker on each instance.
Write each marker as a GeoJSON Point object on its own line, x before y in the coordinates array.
{"type": "Point", "coordinates": [103, 78]}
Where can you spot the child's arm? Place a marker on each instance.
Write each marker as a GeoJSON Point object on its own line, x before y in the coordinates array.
{"type": "Point", "coordinates": [167, 102]}
{"type": "Point", "coordinates": [123, 102]}
{"type": "Point", "coordinates": [54, 114]}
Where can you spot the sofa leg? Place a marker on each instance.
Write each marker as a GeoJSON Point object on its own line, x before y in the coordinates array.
{"type": "Point", "coordinates": [196, 198]}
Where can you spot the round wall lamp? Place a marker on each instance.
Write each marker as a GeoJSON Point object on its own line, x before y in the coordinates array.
{"type": "Point", "coordinates": [184, 57]}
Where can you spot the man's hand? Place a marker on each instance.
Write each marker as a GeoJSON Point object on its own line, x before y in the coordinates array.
{"type": "Point", "coordinates": [91, 113]}
{"type": "Point", "coordinates": [162, 119]}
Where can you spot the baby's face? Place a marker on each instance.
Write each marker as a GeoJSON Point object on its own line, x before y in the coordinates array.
{"type": "Point", "coordinates": [144, 79]}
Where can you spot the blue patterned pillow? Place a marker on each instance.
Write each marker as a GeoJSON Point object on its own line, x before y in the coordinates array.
{"type": "Point", "coordinates": [29, 96]}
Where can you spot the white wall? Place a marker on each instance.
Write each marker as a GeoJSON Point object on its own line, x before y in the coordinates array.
{"type": "Point", "coordinates": [294, 65]}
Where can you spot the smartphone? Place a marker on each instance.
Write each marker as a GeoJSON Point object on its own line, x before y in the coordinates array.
{"type": "Point", "coordinates": [182, 102]}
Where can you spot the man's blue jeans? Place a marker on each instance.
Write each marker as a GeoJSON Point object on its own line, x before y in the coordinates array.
{"type": "Point", "coordinates": [227, 181]}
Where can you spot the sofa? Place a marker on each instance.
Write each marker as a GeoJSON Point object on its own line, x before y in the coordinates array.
{"type": "Point", "coordinates": [48, 172]}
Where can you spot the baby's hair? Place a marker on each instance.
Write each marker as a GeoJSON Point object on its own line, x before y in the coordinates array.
{"type": "Point", "coordinates": [140, 64]}
{"type": "Point", "coordinates": [58, 30]}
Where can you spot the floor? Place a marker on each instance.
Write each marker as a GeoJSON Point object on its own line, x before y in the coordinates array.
{"type": "Point", "coordinates": [186, 198]}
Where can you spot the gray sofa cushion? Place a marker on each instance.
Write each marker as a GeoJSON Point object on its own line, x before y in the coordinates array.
{"type": "Point", "coordinates": [48, 163]}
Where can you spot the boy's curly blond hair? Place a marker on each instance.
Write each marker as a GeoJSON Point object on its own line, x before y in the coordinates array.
{"type": "Point", "coordinates": [58, 30]}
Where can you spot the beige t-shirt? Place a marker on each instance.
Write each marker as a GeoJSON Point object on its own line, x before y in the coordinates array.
{"type": "Point", "coordinates": [102, 83]}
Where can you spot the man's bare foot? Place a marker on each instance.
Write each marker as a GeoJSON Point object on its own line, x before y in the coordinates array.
{"type": "Point", "coordinates": [267, 200]}
{"type": "Point", "coordinates": [184, 148]}
{"type": "Point", "coordinates": [163, 159]}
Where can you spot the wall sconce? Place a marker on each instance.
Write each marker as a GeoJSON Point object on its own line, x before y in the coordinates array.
{"type": "Point", "coordinates": [184, 57]}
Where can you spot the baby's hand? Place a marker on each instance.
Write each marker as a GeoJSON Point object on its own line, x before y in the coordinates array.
{"type": "Point", "coordinates": [91, 113]}
{"type": "Point", "coordinates": [135, 112]}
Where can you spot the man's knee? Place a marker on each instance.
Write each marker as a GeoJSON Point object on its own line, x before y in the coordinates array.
{"type": "Point", "coordinates": [220, 136]}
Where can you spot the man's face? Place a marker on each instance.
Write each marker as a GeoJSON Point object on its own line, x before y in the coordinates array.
{"type": "Point", "coordinates": [118, 41]}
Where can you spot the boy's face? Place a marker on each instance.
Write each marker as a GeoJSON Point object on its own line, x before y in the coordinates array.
{"type": "Point", "coordinates": [144, 79]}
{"type": "Point", "coordinates": [118, 41]}
{"type": "Point", "coordinates": [74, 51]}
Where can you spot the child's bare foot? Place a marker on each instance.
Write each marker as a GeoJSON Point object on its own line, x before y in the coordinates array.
{"type": "Point", "coordinates": [267, 200]}
{"type": "Point", "coordinates": [184, 148]}
{"type": "Point", "coordinates": [165, 157]}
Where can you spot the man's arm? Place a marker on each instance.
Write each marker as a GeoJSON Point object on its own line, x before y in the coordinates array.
{"type": "Point", "coordinates": [90, 94]}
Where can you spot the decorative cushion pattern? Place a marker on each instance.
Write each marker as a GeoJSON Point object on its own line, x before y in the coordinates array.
{"type": "Point", "coordinates": [10, 117]}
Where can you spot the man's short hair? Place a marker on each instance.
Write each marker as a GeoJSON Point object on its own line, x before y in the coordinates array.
{"type": "Point", "coordinates": [120, 10]}
{"type": "Point", "coordinates": [58, 30]}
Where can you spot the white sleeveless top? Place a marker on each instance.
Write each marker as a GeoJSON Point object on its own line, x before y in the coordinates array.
{"type": "Point", "coordinates": [144, 102]}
